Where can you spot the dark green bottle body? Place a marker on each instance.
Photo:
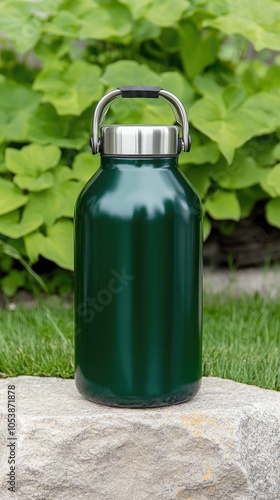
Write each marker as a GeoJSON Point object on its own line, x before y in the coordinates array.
{"type": "Point", "coordinates": [138, 284]}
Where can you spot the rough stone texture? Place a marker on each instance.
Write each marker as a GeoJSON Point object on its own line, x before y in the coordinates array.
{"type": "Point", "coordinates": [224, 444]}
{"type": "Point", "coordinates": [248, 281]}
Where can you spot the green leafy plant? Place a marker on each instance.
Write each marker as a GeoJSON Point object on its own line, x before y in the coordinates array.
{"type": "Point", "coordinates": [15, 278]}
{"type": "Point", "coordinates": [57, 58]}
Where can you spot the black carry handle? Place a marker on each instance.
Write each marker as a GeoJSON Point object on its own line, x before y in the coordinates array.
{"type": "Point", "coordinates": [134, 91]}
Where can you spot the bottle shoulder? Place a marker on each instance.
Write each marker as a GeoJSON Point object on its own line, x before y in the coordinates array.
{"type": "Point", "coordinates": [149, 191]}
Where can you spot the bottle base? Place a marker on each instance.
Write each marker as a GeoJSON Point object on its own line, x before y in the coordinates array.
{"type": "Point", "coordinates": [170, 399]}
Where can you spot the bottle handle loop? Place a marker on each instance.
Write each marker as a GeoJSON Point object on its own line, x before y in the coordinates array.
{"type": "Point", "coordinates": [143, 92]}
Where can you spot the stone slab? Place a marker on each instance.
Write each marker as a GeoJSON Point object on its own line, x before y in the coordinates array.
{"type": "Point", "coordinates": [224, 444]}
{"type": "Point", "coordinates": [249, 281]}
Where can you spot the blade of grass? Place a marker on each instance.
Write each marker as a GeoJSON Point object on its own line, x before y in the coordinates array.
{"type": "Point", "coordinates": [13, 252]}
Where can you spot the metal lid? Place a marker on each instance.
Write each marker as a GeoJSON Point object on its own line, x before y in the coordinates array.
{"type": "Point", "coordinates": [140, 140]}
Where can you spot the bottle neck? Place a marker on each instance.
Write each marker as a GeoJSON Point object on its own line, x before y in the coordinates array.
{"type": "Point", "coordinates": [138, 162]}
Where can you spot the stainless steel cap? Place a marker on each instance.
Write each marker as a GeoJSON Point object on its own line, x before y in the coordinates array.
{"type": "Point", "coordinates": [140, 140]}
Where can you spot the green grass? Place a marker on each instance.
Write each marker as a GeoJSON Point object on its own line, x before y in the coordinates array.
{"type": "Point", "coordinates": [37, 340]}
{"type": "Point", "coordinates": [241, 339]}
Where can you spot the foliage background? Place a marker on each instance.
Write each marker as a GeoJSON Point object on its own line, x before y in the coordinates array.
{"type": "Point", "coordinates": [57, 59]}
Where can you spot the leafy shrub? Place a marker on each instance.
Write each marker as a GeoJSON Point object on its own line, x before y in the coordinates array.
{"type": "Point", "coordinates": [58, 57]}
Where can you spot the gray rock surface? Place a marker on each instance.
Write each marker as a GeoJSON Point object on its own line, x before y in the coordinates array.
{"type": "Point", "coordinates": [224, 444]}
{"type": "Point", "coordinates": [249, 281]}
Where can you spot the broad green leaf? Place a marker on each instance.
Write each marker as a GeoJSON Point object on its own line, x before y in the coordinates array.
{"type": "Point", "coordinates": [8, 222]}
{"type": "Point", "coordinates": [58, 244]}
{"type": "Point", "coordinates": [246, 204]}
{"type": "Point", "coordinates": [208, 86]}
{"type": "Point", "coordinates": [3, 122]}
{"type": "Point", "coordinates": [32, 160]}
{"type": "Point", "coordinates": [248, 197]}
{"type": "Point", "coordinates": [3, 168]}
{"type": "Point", "coordinates": [56, 202]}
{"type": "Point", "coordinates": [46, 127]}
{"type": "Point", "coordinates": [273, 178]}
{"type": "Point", "coordinates": [85, 165]}
{"type": "Point", "coordinates": [223, 205]}
{"type": "Point", "coordinates": [21, 21]}
{"type": "Point", "coordinates": [210, 117]}
{"type": "Point", "coordinates": [163, 13]}
{"type": "Point", "coordinates": [206, 227]}
{"type": "Point", "coordinates": [170, 40]}
{"type": "Point", "coordinates": [260, 149]}
{"type": "Point", "coordinates": [14, 226]}
{"type": "Point", "coordinates": [256, 21]}
{"type": "Point", "coordinates": [63, 173]}
{"type": "Point", "coordinates": [125, 72]}
{"type": "Point", "coordinates": [69, 191]}
{"type": "Point", "coordinates": [145, 110]}
{"type": "Point", "coordinates": [12, 282]}
{"type": "Point", "coordinates": [272, 212]}
{"type": "Point", "coordinates": [205, 153]}
{"type": "Point", "coordinates": [18, 104]}
{"type": "Point", "coordinates": [270, 81]}
{"type": "Point", "coordinates": [106, 21]}
{"type": "Point", "coordinates": [80, 9]}
{"type": "Point", "coordinates": [174, 82]}
{"type": "Point", "coordinates": [203, 47]}
{"type": "Point", "coordinates": [53, 52]}
{"type": "Point", "coordinates": [232, 128]}
{"type": "Point", "coordinates": [241, 173]}
{"type": "Point", "coordinates": [251, 75]}
{"type": "Point", "coordinates": [259, 76]}
{"type": "Point", "coordinates": [18, 25]}
{"type": "Point", "coordinates": [47, 204]}
{"type": "Point", "coordinates": [276, 152]}
{"type": "Point", "coordinates": [130, 72]}
{"type": "Point", "coordinates": [166, 13]}
{"type": "Point", "coordinates": [269, 188]}
{"type": "Point", "coordinates": [217, 7]}
{"type": "Point", "coordinates": [44, 8]}
{"type": "Point", "coordinates": [33, 244]}
{"type": "Point", "coordinates": [144, 30]}
{"type": "Point", "coordinates": [65, 24]}
{"type": "Point", "coordinates": [71, 90]}
{"type": "Point", "coordinates": [11, 197]}
{"type": "Point", "coordinates": [139, 8]}
{"type": "Point", "coordinates": [30, 183]}
{"type": "Point", "coordinates": [233, 97]}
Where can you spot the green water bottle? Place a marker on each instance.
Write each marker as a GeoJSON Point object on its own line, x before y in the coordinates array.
{"type": "Point", "coordinates": [138, 265]}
